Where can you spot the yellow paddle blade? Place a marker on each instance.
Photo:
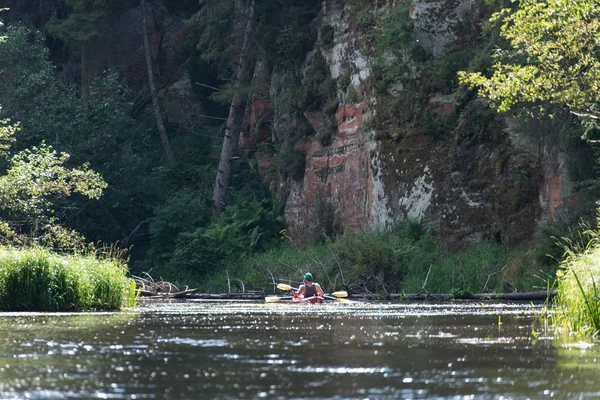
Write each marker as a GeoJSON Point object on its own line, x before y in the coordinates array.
{"type": "Point", "coordinates": [341, 293]}
{"type": "Point", "coordinates": [345, 301]}
{"type": "Point", "coordinates": [283, 286]}
{"type": "Point", "coordinates": [272, 299]}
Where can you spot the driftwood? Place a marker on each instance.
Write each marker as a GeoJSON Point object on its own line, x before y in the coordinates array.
{"type": "Point", "coordinates": [228, 296]}
{"type": "Point", "coordinates": [148, 288]}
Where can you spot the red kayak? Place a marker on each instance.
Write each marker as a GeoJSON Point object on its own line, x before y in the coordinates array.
{"type": "Point", "coordinates": [311, 299]}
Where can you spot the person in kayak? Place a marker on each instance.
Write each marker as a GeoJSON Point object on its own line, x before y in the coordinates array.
{"type": "Point", "coordinates": [309, 288]}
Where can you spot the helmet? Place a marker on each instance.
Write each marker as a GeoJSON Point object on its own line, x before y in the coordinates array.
{"type": "Point", "coordinates": [308, 277]}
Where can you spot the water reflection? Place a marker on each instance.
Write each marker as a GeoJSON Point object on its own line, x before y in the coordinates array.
{"type": "Point", "coordinates": [247, 350]}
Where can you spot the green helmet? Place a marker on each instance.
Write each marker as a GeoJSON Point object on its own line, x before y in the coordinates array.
{"type": "Point", "coordinates": [308, 277]}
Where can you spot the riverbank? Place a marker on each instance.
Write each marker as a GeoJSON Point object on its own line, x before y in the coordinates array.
{"type": "Point", "coordinates": [537, 296]}
{"type": "Point", "coordinates": [411, 259]}
{"type": "Point", "coordinates": [577, 304]}
{"type": "Point", "coordinates": [36, 279]}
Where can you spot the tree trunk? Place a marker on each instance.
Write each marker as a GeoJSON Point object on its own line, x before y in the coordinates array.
{"type": "Point", "coordinates": [84, 79]}
{"type": "Point", "coordinates": [162, 131]}
{"type": "Point", "coordinates": [234, 120]}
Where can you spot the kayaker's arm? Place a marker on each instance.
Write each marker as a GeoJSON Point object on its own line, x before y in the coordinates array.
{"type": "Point", "coordinates": [319, 290]}
{"type": "Point", "coordinates": [301, 290]}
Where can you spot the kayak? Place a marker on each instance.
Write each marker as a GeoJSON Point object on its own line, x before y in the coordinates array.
{"type": "Point", "coordinates": [311, 299]}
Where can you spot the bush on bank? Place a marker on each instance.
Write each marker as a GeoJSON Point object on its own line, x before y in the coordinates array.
{"type": "Point", "coordinates": [35, 279]}
{"type": "Point", "coordinates": [410, 259]}
{"type": "Point", "coordinates": [577, 304]}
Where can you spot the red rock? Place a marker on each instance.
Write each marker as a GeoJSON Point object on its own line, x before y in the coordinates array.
{"type": "Point", "coordinates": [554, 198]}
{"type": "Point", "coordinates": [265, 163]}
{"type": "Point", "coordinates": [442, 104]}
{"type": "Point", "coordinates": [349, 111]}
{"type": "Point", "coordinates": [339, 115]}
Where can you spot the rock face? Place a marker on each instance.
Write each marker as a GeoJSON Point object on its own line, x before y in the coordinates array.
{"type": "Point", "coordinates": [363, 157]}
{"type": "Point", "coordinates": [471, 184]}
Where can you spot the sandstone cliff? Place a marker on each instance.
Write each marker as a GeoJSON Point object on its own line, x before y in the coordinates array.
{"type": "Point", "coordinates": [360, 135]}
{"type": "Point", "coordinates": [415, 149]}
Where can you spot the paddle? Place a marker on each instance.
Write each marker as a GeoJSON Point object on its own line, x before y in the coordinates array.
{"type": "Point", "coordinates": [274, 299]}
{"type": "Point", "coordinates": [283, 286]}
{"type": "Point", "coordinates": [341, 293]}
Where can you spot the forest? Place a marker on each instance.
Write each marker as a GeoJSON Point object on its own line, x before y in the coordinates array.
{"type": "Point", "coordinates": [188, 138]}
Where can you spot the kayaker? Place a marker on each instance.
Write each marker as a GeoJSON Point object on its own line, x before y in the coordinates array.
{"type": "Point", "coordinates": [309, 288]}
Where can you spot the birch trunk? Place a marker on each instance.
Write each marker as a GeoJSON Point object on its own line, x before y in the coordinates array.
{"type": "Point", "coordinates": [234, 120]}
{"type": "Point", "coordinates": [162, 131]}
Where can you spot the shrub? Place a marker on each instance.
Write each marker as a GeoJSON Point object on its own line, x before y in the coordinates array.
{"type": "Point", "coordinates": [577, 304]}
{"type": "Point", "coordinates": [36, 279]}
{"type": "Point", "coordinates": [398, 261]}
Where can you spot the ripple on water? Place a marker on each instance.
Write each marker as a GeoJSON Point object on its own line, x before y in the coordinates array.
{"type": "Point", "coordinates": [249, 350]}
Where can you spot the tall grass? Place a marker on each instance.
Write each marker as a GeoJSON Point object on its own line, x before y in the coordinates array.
{"type": "Point", "coordinates": [410, 259]}
{"type": "Point", "coordinates": [577, 305]}
{"type": "Point", "coordinates": [36, 279]}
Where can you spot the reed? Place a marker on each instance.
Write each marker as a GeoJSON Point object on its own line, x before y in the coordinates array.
{"type": "Point", "coordinates": [577, 305]}
{"type": "Point", "coordinates": [35, 279]}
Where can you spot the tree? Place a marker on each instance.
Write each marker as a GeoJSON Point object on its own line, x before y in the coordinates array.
{"type": "Point", "coordinates": [162, 131]}
{"type": "Point", "coordinates": [34, 180]}
{"type": "Point", "coordinates": [553, 58]}
{"type": "Point", "coordinates": [31, 95]}
{"type": "Point", "coordinates": [83, 25]}
{"type": "Point", "coordinates": [235, 119]}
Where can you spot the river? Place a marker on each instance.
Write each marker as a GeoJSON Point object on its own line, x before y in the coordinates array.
{"type": "Point", "coordinates": [249, 350]}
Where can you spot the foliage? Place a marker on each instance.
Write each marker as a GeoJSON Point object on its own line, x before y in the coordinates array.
{"type": "Point", "coordinates": [35, 180]}
{"type": "Point", "coordinates": [410, 259]}
{"type": "Point", "coordinates": [7, 135]}
{"type": "Point", "coordinates": [79, 27]}
{"type": "Point", "coordinates": [35, 279]}
{"type": "Point", "coordinates": [85, 21]}
{"type": "Point", "coordinates": [577, 304]}
{"type": "Point", "coordinates": [552, 58]}
{"type": "Point", "coordinates": [31, 185]}
{"type": "Point", "coordinates": [100, 132]}
{"type": "Point", "coordinates": [284, 262]}
{"type": "Point", "coordinates": [214, 21]}
{"type": "Point", "coordinates": [163, 211]}
{"type": "Point", "coordinates": [284, 31]}
{"type": "Point", "coordinates": [246, 227]}
{"type": "Point", "coordinates": [281, 31]}
{"type": "Point", "coordinates": [30, 93]}
{"type": "Point", "coordinates": [193, 253]}
{"type": "Point", "coordinates": [395, 52]}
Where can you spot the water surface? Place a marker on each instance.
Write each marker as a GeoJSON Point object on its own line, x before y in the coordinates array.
{"type": "Point", "coordinates": [230, 350]}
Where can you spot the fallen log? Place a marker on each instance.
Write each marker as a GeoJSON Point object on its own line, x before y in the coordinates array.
{"type": "Point", "coordinates": [536, 296]}
{"type": "Point", "coordinates": [541, 295]}
{"type": "Point", "coordinates": [228, 296]}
